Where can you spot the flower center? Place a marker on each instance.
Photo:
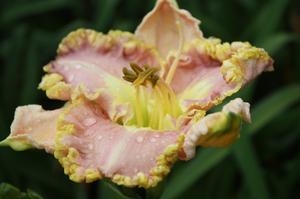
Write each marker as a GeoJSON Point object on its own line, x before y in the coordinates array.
{"type": "Point", "coordinates": [155, 104]}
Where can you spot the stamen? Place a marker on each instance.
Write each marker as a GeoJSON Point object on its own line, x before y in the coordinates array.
{"type": "Point", "coordinates": [174, 65]}
{"type": "Point", "coordinates": [141, 75]}
{"type": "Point", "coordinates": [138, 112]}
{"type": "Point", "coordinates": [155, 104]}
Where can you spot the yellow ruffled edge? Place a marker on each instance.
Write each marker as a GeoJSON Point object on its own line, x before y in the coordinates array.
{"type": "Point", "coordinates": [231, 57]}
{"type": "Point", "coordinates": [68, 155]}
{"type": "Point", "coordinates": [163, 164]}
{"type": "Point", "coordinates": [54, 84]}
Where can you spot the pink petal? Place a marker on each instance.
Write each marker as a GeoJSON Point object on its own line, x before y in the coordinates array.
{"type": "Point", "coordinates": [85, 57]}
{"type": "Point", "coordinates": [90, 146]}
{"type": "Point", "coordinates": [33, 127]}
{"type": "Point", "coordinates": [159, 27]}
{"type": "Point", "coordinates": [217, 129]}
{"type": "Point", "coordinates": [210, 71]}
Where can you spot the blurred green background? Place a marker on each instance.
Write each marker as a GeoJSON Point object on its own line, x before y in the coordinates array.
{"type": "Point", "coordinates": [263, 164]}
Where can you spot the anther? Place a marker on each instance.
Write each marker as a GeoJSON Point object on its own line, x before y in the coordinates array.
{"type": "Point", "coordinates": [141, 75]}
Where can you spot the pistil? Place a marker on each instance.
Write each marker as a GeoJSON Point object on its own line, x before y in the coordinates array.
{"type": "Point", "coordinates": [175, 63]}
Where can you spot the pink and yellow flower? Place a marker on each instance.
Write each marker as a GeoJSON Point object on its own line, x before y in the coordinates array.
{"type": "Point", "coordinates": [135, 103]}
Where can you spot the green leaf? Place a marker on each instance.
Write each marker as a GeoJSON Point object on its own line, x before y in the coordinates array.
{"type": "Point", "coordinates": [250, 4]}
{"type": "Point", "coordinates": [11, 73]}
{"type": "Point", "coordinates": [272, 106]}
{"type": "Point", "coordinates": [10, 192]}
{"type": "Point", "coordinates": [185, 177]}
{"type": "Point", "coordinates": [31, 75]}
{"type": "Point", "coordinates": [205, 160]}
{"type": "Point", "coordinates": [30, 195]}
{"type": "Point", "coordinates": [248, 163]}
{"type": "Point", "coordinates": [275, 42]}
{"type": "Point", "coordinates": [24, 9]}
{"type": "Point", "coordinates": [109, 190]}
{"type": "Point", "coordinates": [105, 10]}
{"type": "Point", "coordinates": [266, 21]}
{"type": "Point", "coordinates": [155, 192]}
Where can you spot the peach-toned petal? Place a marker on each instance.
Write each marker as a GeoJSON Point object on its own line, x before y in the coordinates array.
{"type": "Point", "coordinates": [209, 71]}
{"type": "Point", "coordinates": [90, 146]}
{"type": "Point", "coordinates": [161, 27]}
{"type": "Point", "coordinates": [217, 129]}
{"type": "Point", "coordinates": [33, 127]}
{"type": "Point", "coordinates": [85, 57]}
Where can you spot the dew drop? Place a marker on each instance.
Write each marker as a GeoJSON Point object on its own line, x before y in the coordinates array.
{"type": "Point", "coordinates": [89, 121]}
{"type": "Point", "coordinates": [66, 68]}
{"type": "Point", "coordinates": [71, 78]}
{"type": "Point", "coordinates": [99, 137]}
{"type": "Point", "coordinates": [139, 139]}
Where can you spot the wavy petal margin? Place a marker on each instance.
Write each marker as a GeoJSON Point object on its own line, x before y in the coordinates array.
{"type": "Point", "coordinates": [90, 146]}
{"type": "Point", "coordinates": [33, 127]}
{"type": "Point", "coordinates": [217, 129]}
{"type": "Point", "coordinates": [209, 71]}
{"type": "Point", "coordinates": [85, 57]}
{"type": "Point", "coordinates": [160, 27]}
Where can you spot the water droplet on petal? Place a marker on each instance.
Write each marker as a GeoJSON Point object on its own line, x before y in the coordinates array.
{"type": "Point", "coordinates": [71, 77]}
{"type": "Point", "coordinates": [99, 137]}
{"type": "Point", "coordinates": [89, 121]}
{"type": "Point", "coordinates": [139, 139]}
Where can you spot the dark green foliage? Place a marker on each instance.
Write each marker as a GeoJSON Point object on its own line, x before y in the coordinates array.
{"type": "Point", "coordinates": [8, 191]}
{"type": "Point", "coordinates": [263, 164]}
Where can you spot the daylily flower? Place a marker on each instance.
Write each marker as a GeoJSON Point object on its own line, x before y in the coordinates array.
{"type": "Point", "coordinates": [137, 102]}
